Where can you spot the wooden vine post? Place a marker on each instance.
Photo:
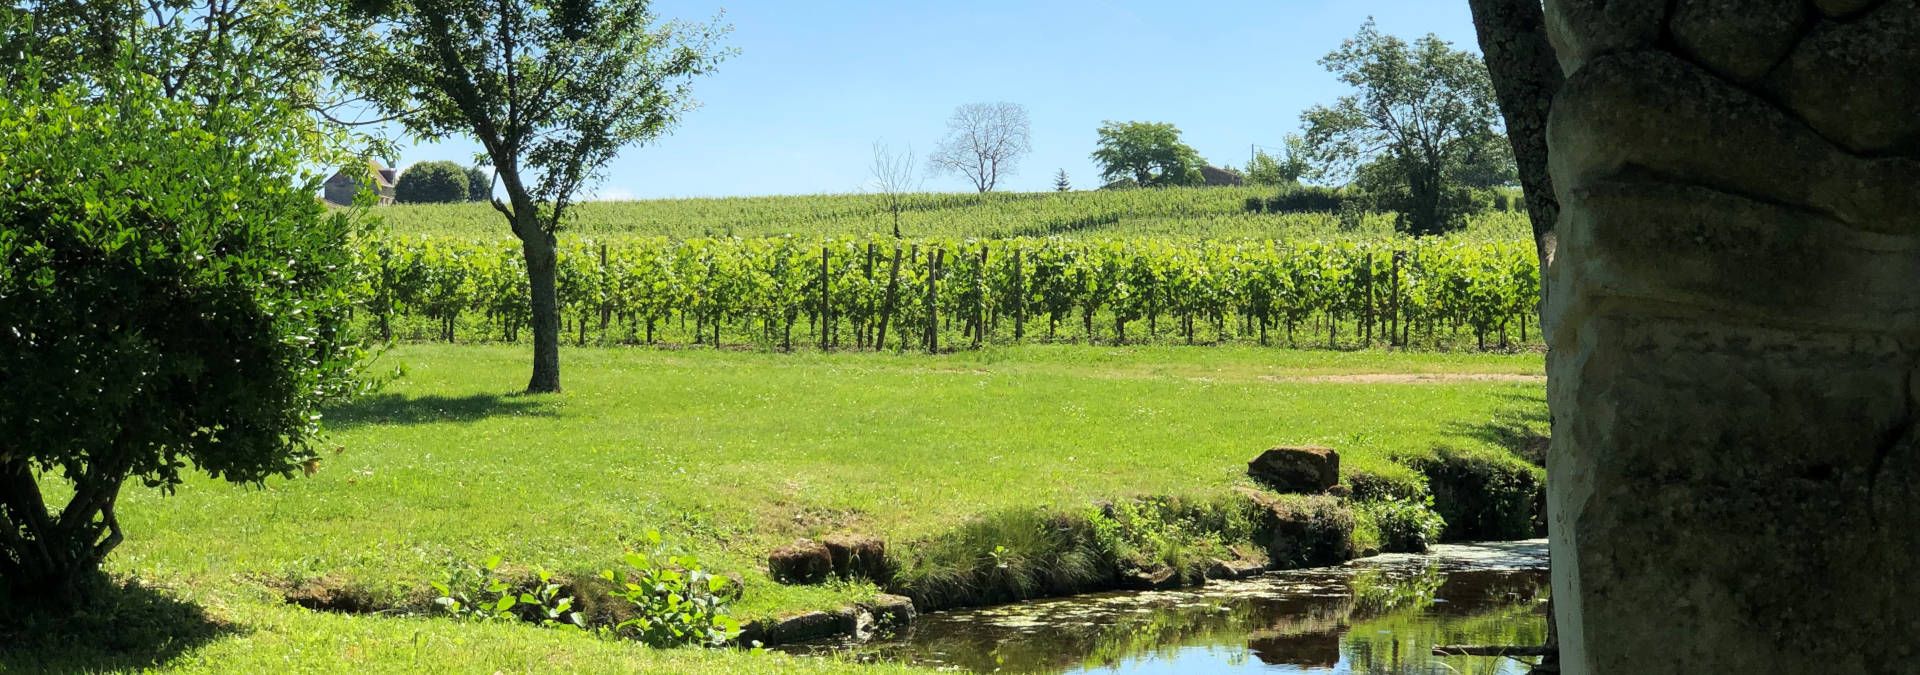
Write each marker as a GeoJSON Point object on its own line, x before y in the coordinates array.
{"type": "Point", "coordinates": [886, 305]}
{"type": "Point", "coordinates": [980, 299]}
{"type": "Point", "coordinates": [937, 256]}
{"type": "Point", "coordinates": [1019, 298]}
{"type": "Point", "coordinates": [860, 334]}
{"type": "Point", "coordinates": [826, 310]}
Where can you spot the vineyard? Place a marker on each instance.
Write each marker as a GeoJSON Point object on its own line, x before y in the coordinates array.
{"type": "Point", "coordinates": [934, 295]}
{"type": "Point", "coordinates": [1171, 213]}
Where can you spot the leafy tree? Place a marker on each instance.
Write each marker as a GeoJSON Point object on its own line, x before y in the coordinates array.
{"type": "Point", "coordinates": [1149, 154]}
{"type": "Point", "coordinates": [211, 54]}
{"type": "Point", "coordinates": [984, 143]}
{"type": "Point", "coordinates": [1060, 182]}
{"type": "Point", "coordinates": [436, 182]}
{"type": "Point", "coordinates": [479, 185]}
{"type": "Point", "coordinates": [1286, 169]}
{"type": "Point", "coordinates": [552, 91]}
{"type": "Point", "coordinates": [1423, 118]}
{"type": "Point", "coordinates": [154, 326]}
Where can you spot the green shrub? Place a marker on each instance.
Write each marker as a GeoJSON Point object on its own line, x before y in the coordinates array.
{"type": "Point", "coordinates": [437, 182]}
{"type": "Point", "coordinates": [674, 602]}
{"type": "Point", "coordinates": [1398, 526]}
{"type": "Point", "coordinates": [1314, 199]}
{"type": "Point", "coordinates": [480, 593]}
{"type": "Point", "coordinates": [1483, 495]}
{"type": "Point", "coordinates": [153, 326]}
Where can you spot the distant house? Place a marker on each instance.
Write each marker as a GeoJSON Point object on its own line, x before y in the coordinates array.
{"type": "Point", "coordinates": [345, 185]}
{"type": "Point", "coordinates": [1215, 176]}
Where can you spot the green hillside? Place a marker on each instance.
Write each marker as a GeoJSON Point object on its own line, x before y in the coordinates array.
{"type": "Point", "coordinates": [1211, 213]}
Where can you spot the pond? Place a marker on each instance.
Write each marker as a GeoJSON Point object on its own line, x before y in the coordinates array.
{"type": "Point", "coordinates": [1375, 616]}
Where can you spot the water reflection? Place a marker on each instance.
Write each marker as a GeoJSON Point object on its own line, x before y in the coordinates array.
{"type": "Point", "coordinates": [1380, 616]}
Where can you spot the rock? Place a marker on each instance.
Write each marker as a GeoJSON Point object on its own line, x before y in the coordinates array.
{"type": "Point", "coordinates": [891, 612]}
{"type": "Point", "coordinates": [859, 556]}
{"type": "Point", "coordinates": [1740, 39]}
{"type": "Point", "coordinates": [1234, 569]}
{"type": "Point", "coordinates": [798, 627]}
{"type": "Point", "coordinates": [1340, 492]}
{"type": "Point", "coordinates": [1159, 578]}
{"type": "Point", "coordinates": [1304, 469]}
{"type": "Point", "coordinates": [1302, 531]}
{"type": "Point", "coordinates": [804, 562]}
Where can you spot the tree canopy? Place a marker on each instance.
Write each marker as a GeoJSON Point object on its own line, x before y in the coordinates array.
{"type": "Point", "coordinates": [552, 92]}
{"type": "Point", "coordinates": [1146, 154]}
{"type": "Point", "coordinates": [435, 182]}
{"type": "Point", "coordinates": [1421, 126]}
{"type": "Point", "coordinates": [1288, 168]}
{"type": "Point", "coordinates": [155, 326]}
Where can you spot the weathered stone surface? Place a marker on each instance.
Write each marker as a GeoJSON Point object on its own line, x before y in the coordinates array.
{"type": "Point", "coordinates": [803, 562]}
{"type": "Point", "coordinates": [1157, 579]}
{"type": "Point", "coordinates": [891, 612]}
{"type": "Point", "coordinates": [1839, 8]}
{"type": "Point", "coordinates": [1301, 531]}
{"type": "Point", "coordinates": [1230, 570]}
{"type": "Point", "coordinates": [1735, 334]}
{"type": "Point", "coordinates": [1854, 80]}
{"type": "Point", "coordinates": [798, 627]}
{"type": "Point", "coordinates": [1583, 29]}
{"type": "Point", "coordinates": [858, 556]}
{"type": "Point", "coordinates": [1739, 39]}
{"type": "Point", "coordinates": [1304, 469]}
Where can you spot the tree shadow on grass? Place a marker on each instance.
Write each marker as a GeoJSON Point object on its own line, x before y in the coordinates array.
{"type": "Point", "coordinates": [1521, 425]}
{"type": "Point", "coordinates": [407, 410]}
{"type": "Point", "coordinates": [123, 626]}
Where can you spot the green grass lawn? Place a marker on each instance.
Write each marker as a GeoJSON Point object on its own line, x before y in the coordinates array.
{"type": "Point", "coordinates": [731, 454]}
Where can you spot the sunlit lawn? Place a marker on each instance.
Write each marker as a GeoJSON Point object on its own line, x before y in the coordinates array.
{"type": "Point", "coordinates": [731, 454]}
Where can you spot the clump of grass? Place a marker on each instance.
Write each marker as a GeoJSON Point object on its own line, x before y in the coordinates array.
{"type": "Point", "coordinates": [1483, 494]}
{"type": "Point", "coordinates": [1029, 553]}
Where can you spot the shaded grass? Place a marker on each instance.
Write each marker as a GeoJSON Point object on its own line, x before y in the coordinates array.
{"type": "Point", "coordinates": [734, 453]}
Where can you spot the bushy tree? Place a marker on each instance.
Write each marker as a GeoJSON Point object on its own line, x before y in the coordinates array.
{"type": "Point", "coordinates": [175, 301]}
{"type": "Point", "coordinates": [1146, 154]}
{"type": "Point", "coordinates": [1286, 169]}
{"type": "Point", "coordinates": [1422, 117]}
{"type": "Point", "coordinates": [551, 91]}
{"type": "Point", "coordinates": [479, 185]}
{"type": "Point", "coordinates": [436, 182]}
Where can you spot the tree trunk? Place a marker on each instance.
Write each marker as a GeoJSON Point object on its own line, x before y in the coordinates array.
{"type": "Point", "coordinates": [1513, 38]}
{"type": "Point", "coordinates": [46, 557]}
{"type": "Point", "coordinates": [1732, 364]}
{"type": "Point", "coordinates": [542, 268]}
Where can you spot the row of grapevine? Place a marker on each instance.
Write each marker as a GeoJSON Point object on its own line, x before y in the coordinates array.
{"type": "Point", "coordinates": [884, 293]}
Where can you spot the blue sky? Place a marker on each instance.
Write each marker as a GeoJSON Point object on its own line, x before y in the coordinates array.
{"type": "Point", "coordinates": [817, 83]}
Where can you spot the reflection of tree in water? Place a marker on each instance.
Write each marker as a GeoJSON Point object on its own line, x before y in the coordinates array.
{"type": "Point", "coordinates": [1384, 621]}
{"type": "Point", "coordinates": [1480, 607]}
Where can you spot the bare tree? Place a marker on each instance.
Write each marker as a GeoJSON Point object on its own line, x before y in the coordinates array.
{"type": "Point", "coordinates": [984, 142]}
{"type": "Point", "coordinates": [893, 179]}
